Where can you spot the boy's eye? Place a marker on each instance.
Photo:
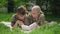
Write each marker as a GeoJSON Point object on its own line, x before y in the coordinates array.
{"type": "Point", "coordinates": [21, 16]}
{"type": "Point", "coordinates": [33, 13]}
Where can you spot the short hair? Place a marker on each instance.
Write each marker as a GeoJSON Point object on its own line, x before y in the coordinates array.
{"type": "Point", "coordinates": [21, 10]}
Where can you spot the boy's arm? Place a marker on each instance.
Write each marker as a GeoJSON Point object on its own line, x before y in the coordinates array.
{"type": "Point", "coordinates": [26, 21]}
{"type": "Point", "coordinates": [13, 20]}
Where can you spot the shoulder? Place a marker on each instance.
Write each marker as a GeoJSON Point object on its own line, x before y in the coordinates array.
{"type": "Point", "coordinates": [42, 15]}
{"type": "Point", "coordinates": [28, 18]}
{"type": "Point", "coordinates": [13, 17]}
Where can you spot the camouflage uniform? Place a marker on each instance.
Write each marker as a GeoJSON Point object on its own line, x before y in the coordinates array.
{"type": "Point", "coordinates": [29, 20]}
{"type": "Point", "coordinates": [40, 20]}
{"type": "Point", "coordinates": [14, 19]}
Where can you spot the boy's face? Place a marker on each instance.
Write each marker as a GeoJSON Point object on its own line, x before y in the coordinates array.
{"type": "Point", "coordinates": [21, 16]}
{"type": "Point", "coordinates": [34, 13]}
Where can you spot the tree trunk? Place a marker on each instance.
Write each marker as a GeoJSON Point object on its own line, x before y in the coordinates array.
{"type": "Point", "coordinates": [10, 6]}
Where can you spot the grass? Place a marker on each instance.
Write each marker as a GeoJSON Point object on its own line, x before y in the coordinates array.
{"type": "Point", "coordinates": [52, 18]}
{"type": "Point", "coordinates": [5, 16]}
{"type": "Point", "coordinates": [45, 29]}
{"type": "Point", "coordinates": [5, 30]}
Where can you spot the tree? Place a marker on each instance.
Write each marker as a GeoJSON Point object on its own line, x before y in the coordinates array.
{"type": "Point", "coordinates": [10, 6]}
{"type": "Point", "coordinates": [56, 5]}
{"type": "Point", "coordinates": [52, 6]}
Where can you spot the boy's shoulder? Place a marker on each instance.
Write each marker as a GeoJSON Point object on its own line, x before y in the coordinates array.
{"type": "Point", "coordinates": [41, 15]}
{"type": "Point", "coordinates": [13, 17]}
{"type": "Point", "coordinates": [29, 17]}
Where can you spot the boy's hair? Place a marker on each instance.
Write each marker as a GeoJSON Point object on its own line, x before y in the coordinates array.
{"type": "Point", "coordinates": [21, 10]}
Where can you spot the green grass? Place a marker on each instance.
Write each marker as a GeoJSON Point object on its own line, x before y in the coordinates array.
{"type": "Point", "coordinates": [45, 29]}
{"type": "Point", "coordinates": [52, 18]}
{"type": "Point", "coordinates": [5, 30]}
{"type": "Point", "coordinates": [5, 16]}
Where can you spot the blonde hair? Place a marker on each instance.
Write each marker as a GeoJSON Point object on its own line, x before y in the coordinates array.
{"type": "Point", "coordinates": [41, 14]}
{"type": "Point", "coordinates": [37, 8]}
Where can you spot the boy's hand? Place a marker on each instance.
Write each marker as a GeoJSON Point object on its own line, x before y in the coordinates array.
{"type": "Point", "coordinates": [20, 23]}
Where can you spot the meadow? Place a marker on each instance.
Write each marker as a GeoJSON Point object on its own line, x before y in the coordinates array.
{"type": "Point", "coordinates": [45, 29]}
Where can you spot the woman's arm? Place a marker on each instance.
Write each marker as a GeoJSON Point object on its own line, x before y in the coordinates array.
{"type": "Point", "coordinates": [30, 27]}
{"type": "Point", "coordinates": [41, 20]}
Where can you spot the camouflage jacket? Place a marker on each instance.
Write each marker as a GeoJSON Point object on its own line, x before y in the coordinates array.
{"type": "Point", "coordinates": [29, 20]}
{"type": "Point", "coordinates": [14, 19]}
{"type": "Point", "coordinates": [40, 20]}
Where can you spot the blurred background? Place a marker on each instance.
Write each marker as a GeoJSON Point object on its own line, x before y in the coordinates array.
{"type": "Point", "coordinates": [51, 8]}
{"type": "Point", "coordinates": [47, 6]}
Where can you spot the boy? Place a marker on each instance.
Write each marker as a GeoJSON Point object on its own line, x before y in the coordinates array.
{"type": "Point", "coordinates": [20, 15]}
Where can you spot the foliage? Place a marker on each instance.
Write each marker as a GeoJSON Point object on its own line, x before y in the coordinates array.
{"type": "Point", "coordinates": [47, 29]}
{"type": "Point", "coordinates": [3, 3]}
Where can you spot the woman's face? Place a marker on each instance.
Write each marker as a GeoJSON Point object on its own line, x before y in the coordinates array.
{"type": "Point", "coordinates": [34, 13]}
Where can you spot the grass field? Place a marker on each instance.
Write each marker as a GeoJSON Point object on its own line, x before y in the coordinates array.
{"type": "Point", "coordinates": [45, 29]}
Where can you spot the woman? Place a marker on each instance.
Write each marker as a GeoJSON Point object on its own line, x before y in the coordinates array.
{"type": "Point", "coordinates": [36, 16]}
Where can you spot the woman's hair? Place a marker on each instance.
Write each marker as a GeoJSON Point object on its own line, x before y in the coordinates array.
{"type": "Point", "coordinates": [41, 15]}
{"type": "Point", "coordinates": [21, 10]}
{"type": "Point", "coordinates": [37, 8]}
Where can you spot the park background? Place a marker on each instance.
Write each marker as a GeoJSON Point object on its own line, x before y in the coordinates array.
{"type": "Point", "coordinates": [51, 9]}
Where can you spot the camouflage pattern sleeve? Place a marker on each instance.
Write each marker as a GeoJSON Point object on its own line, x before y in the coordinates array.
{"type": "Point", "coordinates": [26, 21]}
{"type": "Point", "coordinates": [13, 20]}
{"type": "Point", "coordinates": [41, 20]}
